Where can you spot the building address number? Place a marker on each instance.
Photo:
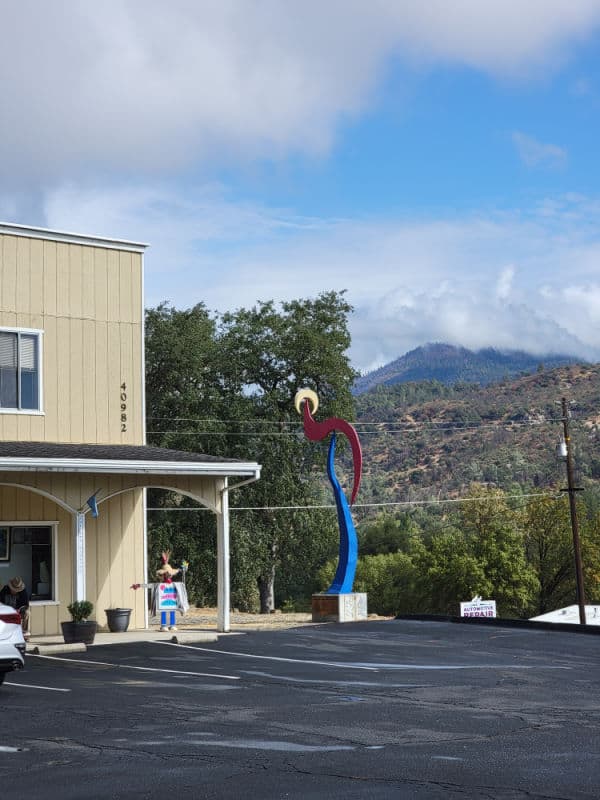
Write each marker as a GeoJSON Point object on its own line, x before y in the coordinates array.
{"type": "Point", "coordinates": [123, 407]}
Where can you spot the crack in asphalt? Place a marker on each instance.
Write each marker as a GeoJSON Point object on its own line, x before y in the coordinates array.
{"type": "Point", "coordinates": [446, 785]}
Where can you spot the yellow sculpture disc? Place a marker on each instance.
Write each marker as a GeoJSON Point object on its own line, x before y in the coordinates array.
{"type": "Point", "coordinates": [310, 396]}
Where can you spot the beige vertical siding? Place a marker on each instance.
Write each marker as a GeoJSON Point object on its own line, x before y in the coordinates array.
{"type": "Point", "coordinates": [114, 544]}
{"type": "Point", "coordinates": [88, 303]}
{"type": "Point", "coordinates": [20, 505]}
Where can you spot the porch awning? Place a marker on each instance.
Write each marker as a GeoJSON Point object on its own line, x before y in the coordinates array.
{"type": "Point", "coordinates": [117, 459]}
{"type": "Point", "coordinates": [36, 466]}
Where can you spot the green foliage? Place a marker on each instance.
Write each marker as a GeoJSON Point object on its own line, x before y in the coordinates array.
{"type": "Point", "coordinates": [80, 610]}
{"type": "Point", "coordinates": [231, 380]}
{"type": "Point", "coordinates": [388, 534]}
{"type": "Point", "coordinates": [549, 548]}
{"type": "Point", "coordinates": [521, 556]}
{"type": "Point", "coordinates": [181, 367]}
{"type": "Point", "coordinates": [494, 539]}
{"type": "Point", "coordinates": [390, 581]}
{"type": "Point", "coordinates": [190, 536]}
{"type": "Point", "coordinates": [449, 573]}
{"type": "Point", "coordinates": [589, 523]}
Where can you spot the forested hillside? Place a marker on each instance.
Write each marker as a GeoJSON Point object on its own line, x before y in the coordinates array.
{"type": "Point", "coordinates": [429, 440]}
{"type": "Point", "coordinates": [448, 364]}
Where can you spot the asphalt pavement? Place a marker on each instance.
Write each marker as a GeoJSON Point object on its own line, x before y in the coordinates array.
{"type": "Point", "coordinates": [395, 709]}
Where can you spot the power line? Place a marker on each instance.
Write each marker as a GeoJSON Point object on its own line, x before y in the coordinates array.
{"type": "Point", "coordinates": [552, 495]}
{"type": "Point", "coordinates": [460, 426]}
{"type": "Point", "coordinates": [393, 426]}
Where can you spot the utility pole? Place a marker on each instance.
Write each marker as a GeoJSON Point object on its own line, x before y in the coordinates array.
{"type": "Point", "coordinates": [574, 524]}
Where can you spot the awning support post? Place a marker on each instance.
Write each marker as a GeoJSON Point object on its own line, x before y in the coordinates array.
{"type": "Point", "coordinates": [223, 577]}
{"type": "Point", "coordinates": [79, 548]}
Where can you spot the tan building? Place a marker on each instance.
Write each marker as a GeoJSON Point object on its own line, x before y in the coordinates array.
{"type": "Point", "coordinates": [72, 426]}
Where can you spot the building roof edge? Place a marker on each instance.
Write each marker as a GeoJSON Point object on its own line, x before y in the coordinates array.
{"type": "Point", "coordinates": [32, 232]}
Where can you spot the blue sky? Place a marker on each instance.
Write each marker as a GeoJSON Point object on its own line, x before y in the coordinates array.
{"type": "Point", "coordinates": [438, 160]}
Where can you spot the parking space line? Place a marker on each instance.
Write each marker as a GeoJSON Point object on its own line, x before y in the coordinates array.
{"type": "Point", "coordinates": [460, 666]}
{"type": "Point", "coordinates": [33, 686]}
{"type": "Point", "coordinates": [364, 665]}
{"type": "Point", "coordinates": [143, 669]}
{"type": "Point", "coordinates": [271, 658]}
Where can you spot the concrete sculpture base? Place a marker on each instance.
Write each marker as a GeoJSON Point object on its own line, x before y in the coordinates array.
{"type": "Point", "coordinates": [339, 607]}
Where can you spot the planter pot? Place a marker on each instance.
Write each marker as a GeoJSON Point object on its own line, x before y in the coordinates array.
{"type": "Point", "coordinates": [84, 631]}
{"type": "Point", "coordinates": [118, 619]}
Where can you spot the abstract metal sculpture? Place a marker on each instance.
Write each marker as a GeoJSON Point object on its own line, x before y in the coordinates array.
{"type": "Point", "coordinates": [316, 431]}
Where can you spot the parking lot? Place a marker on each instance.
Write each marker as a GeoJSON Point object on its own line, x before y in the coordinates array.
{"type": "Point", "coordinates": [399, 709]}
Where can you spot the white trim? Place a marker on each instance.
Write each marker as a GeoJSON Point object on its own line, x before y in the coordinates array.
{"type": "Point", "coordinates": [40, 355]}
{"type": "Point", "coordinates": [39, 347]}
{"type": "Point", "coordinates": [29, 412]}
{"type": "Point", "coordinates": [12, 229]}
{"type": "Point", "coordinates": [120, 467]}
{"type": "Point", "coordinates": [145, 554]}
{"type": "Point", "coordinates": [53, 525]}
{"type": "Point", "coordinates": [44, 602]}
{"type": "Point", "coordinates": [223, 566]}
{"type": "Point", "coordinates": [17, 329]}
{"type": "Point", "coordinates": [58, 500]}
{"type": "Point", "coordinates": [79, 560]}
{"type": "Point", "coordinates": [143, 354]}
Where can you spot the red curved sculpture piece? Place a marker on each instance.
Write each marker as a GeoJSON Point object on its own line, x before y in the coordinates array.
{"type": "Point", "coordinates": [316, 431]}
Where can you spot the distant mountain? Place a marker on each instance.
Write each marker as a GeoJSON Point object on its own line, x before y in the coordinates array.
{"type": "Point", "coordinates": [448, 365]}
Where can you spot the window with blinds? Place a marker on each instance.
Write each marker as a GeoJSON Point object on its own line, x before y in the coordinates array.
{"type": "Point", "coordinates": [19, 370]}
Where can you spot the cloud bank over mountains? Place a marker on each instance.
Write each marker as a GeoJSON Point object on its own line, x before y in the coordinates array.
{"type": "Point", "coordinates": [521, 280]}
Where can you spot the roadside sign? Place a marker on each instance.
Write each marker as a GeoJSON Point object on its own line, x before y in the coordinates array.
{"type": "Point", "coordinates": [478, 608]}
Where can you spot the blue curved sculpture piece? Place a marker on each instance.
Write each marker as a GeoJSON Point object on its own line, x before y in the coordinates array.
{"type": "Point", "coordinates": [344, 575]}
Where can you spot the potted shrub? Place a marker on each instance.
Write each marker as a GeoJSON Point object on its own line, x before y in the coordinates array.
{"type": "Point", "coordinates": [80, 628]}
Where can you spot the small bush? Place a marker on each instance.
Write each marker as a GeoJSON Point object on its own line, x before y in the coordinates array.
{"type": "Point", "coordinates": [80, 610]}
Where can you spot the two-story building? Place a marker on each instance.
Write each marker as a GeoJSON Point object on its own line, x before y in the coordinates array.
{"type": "Point", "coordinates": [72, 427]}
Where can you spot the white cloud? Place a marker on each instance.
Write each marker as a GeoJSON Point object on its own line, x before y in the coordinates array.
{"type": "Point", "coordinates": [411, 281]}
{"type": "Point", "coordinates": [535, 153]}
{"type": "Point", "coordinates": [586, 299]}
{"type": "Point", "coordinates": [142, 87]}
{"type": "Point", "coordinates": [505, 281]}
{"type": "Point", "coordinates": [106, 106]}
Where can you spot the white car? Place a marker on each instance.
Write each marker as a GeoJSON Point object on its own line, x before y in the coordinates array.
{"type": "Point", "coordinates": [12, 643]}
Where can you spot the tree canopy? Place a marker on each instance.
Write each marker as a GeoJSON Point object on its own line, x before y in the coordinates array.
{"type": "Point", "coordinates": [225, 385]}
{"type": "Point", "coordinates": [518, 552]}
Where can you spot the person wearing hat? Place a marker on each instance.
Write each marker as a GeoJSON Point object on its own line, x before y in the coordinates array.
{"type": "Point", "coordinates": [15, 594]}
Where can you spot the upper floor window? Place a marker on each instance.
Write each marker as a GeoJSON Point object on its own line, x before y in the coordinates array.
{"type": "Point", "coordinates": [20, 370]}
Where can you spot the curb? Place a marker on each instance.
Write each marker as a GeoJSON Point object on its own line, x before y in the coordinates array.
{"type": "Point", "coordinates": [50, 649]}
{"type": "Point", "coordinates": [191, 638]}
{"type": "Point", "coordinates": [503, 622]}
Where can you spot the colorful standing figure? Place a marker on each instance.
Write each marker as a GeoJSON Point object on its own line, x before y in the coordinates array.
{"type": "Point", "coordinates": [168, 596]}
{"type": "Point", "coordinates": [307, 403]}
